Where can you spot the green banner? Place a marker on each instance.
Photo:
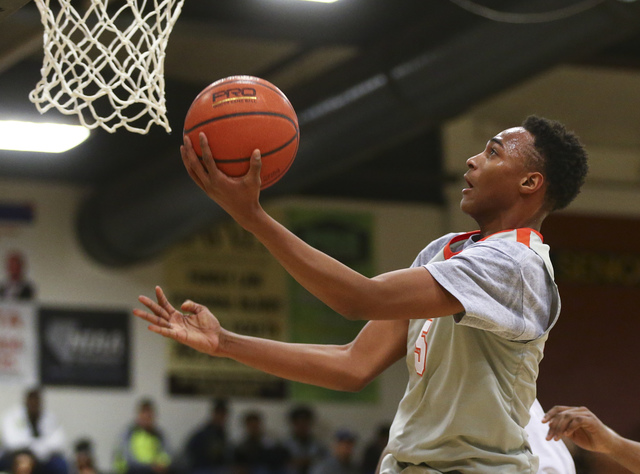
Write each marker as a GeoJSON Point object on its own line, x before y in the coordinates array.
{"type": "Point", "coordinates": [347, 237]}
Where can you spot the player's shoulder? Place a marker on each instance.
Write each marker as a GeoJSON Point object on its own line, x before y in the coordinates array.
{"type": "Point", "coordinates": [433, 248]}
{"type": "Point", "coordinates": [507, 249]}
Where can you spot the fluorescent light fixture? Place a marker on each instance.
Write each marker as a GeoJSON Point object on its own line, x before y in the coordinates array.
{"type": "Point", "coordinates": [322, 1]}
{"type": "Point", "coordinates": [40, 137]}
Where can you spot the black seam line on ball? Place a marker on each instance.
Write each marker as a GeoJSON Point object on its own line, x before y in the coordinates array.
{"type": "Point", "coordinates": [241, 114]}
{"type": "Point", "coordinates": [238, 160]}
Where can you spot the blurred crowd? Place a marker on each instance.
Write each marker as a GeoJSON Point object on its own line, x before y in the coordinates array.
{"type": "Point", "coordinates": [34, 442]}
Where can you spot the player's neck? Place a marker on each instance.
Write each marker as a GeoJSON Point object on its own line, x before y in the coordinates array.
{"type": "Point", "coordinates": [507, 222]}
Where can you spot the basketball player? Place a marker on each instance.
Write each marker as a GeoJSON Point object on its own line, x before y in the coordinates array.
{"type": "Point", "coordinates": [471, 315]}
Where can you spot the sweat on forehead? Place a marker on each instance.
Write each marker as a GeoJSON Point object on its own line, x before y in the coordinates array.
{"type": "Point", "coordinates": [517, 140]}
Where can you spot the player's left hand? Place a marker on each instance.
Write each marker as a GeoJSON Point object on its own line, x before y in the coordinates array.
{"type": "Point", "coordinates": [580, 425]}
{"type": "Point", "coordinates": [194, 326]}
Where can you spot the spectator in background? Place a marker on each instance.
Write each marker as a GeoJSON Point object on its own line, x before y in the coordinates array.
{"type": "Point", "coordinates": [23, 462]}
{"type": "Point", "coordinates": [303, 447]}
{"type": "Point", "coordinates": [16, 287]}
{"type": "Point", "coordinates": [31, 427]}
{"type": "Point", "coordinates": [83, 457]}
{"type": "Point", "coordinates": [142, 449]}
{"type": "Point", "coordinates": [256, 453]}
{"type": "Point", "coordinates": [208, 449]}
{"type": "Point", "coordinates": [341, 459]}
{"type": "Point", "coordinates": [373, 452]}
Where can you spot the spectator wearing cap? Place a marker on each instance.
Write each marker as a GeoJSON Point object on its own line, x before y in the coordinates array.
{"type": "Point", "coordinates": [341, 459]}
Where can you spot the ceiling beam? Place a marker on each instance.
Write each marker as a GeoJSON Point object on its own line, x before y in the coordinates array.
{"type": "Point", "coordinates": [9, 7]}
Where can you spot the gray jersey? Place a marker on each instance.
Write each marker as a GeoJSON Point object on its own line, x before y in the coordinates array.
{"type": "Point", "coordinates": [472, 375]}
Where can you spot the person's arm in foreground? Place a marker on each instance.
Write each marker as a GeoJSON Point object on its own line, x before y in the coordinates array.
{"type": "Point", "coordinates": [582, 427]}
{"type": "Point", "coordinates": [404, 294]}
{"type": "Point", "coordinates": [346, 367]}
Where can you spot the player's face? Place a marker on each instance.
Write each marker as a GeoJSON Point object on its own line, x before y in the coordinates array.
{"type": "Point", "coordinates": [14, 267]}
{"type": "Point", "coordinates": [495, 175]}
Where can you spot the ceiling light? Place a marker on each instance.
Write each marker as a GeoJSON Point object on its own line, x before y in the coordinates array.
{"type": "Point", "coordinates": [40, 137]}
{"type": "Point", "coordinates": [321, 1]}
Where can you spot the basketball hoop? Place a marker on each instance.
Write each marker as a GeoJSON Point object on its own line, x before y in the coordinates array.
{"type": "Point", "coordinates": [106, 66]}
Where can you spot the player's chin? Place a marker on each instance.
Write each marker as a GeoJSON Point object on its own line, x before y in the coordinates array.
{"type": "Point", "coordinates": [466, 205]}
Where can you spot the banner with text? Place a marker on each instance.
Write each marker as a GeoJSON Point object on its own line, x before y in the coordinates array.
{"type": "Point", "coordinates": [347, 237]}
{"type": "Point", "coordinates": [226, 269]}
{"type": "Point", "coordinates": [84, 348]}
{"type": "Point", "coordinates": [18, 349]}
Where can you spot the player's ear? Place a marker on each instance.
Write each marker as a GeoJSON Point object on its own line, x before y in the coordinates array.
{"type": "Point", "coordinates": [531, 182]}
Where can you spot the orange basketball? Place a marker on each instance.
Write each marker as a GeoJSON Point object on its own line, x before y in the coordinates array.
{"type": "Point", "coordinates": [239, 114]}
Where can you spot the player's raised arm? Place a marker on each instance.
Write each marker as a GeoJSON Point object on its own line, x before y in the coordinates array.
{"type": "Point", "coordinates": [586, 430]}
{"type": "Point", "coordinates": [404, 294]}
{"type": "Point", "coordinates": [346, 367]}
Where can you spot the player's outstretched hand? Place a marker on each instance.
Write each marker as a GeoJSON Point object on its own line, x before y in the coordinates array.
{"type": "Point", "coordinates": [581, 426]}
{"type": "Point", "coordinates": [194, 326]}
{"type": "Point", "coordinates": [238, 196]}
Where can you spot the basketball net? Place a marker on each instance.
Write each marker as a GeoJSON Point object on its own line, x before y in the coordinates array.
{"type": "Point", "coordinates": [107, 67]}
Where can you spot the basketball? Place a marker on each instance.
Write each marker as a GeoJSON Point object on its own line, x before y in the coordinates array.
{"type": "Point", "coordinates": [239, 114]}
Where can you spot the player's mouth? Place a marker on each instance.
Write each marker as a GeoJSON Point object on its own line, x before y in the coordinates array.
{"type": "Point", "coordinates": [469, 185]}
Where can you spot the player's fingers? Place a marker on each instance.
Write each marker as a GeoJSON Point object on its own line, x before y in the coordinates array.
{"type": "Point", "coordinates": [187, 164]}
{"type": "Point", "coordinates": [154, 307]}
{"type": "Point", "coordinates": [553, 412]}
{"type": "Point", "coordinates": [573, 424]}
{"type": "Point", "coordinates": [255, 166]}
{"type": "Point", "coordinates": [152, 318]}
{"type": "Point", "coordinates": [164, 302]}
{"type": "Point", "coordinates": [191, 307]}
{"type": "Point", "coordinates": [561, 423]}
{"type": "Point", "coordinates": [207, 156]}
{"type": "Point", "coordinates": [170, 333]}
{"type": "Point", "coordinates": [191, 162]}
{"type": "Point", "coordinates": [556, 429]}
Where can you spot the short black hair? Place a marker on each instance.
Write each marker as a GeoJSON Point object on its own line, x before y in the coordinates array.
{"type": "Point", "coordinates": [564, 159]}
{"type": "Point", "coordinates": [301, 412]}
{"type": "Point", "coordinates": [83, 445]}
{"type": "Point", "coordinates": [252, 416]}
{"type": "Point", "coordinates": [220, 406]}
{"type": "Point", "coordinates": [146, 404]}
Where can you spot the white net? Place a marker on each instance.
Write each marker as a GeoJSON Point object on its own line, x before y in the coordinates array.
{"type": "Point", "coordinates": [105, 63]}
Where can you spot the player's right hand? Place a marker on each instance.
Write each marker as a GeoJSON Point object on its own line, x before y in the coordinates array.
{"type": "Point", "coordinates": [238, 196]}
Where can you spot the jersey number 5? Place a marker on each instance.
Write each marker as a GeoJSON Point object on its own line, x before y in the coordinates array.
{"type": "Point", "coordinates": [420, 352]}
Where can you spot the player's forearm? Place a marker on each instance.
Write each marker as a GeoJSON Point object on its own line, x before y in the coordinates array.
{"type": "Point", "coordinates": [338, 286]}
{"type": "Point", "coordinates": [321, 365]}
{"type": "Point", "coordinates": [626, 452]}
